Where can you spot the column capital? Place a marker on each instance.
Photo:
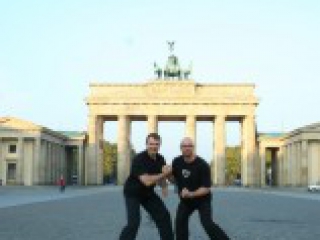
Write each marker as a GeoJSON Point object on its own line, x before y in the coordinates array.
{"type": "Point", "coordinates": [90, 116]}
{"type": "Point", "coordinates": [220, 116]}
{"type": "Point", "coordinates": [122, 116]}
{"type": "Point", "coordinates": [251, 117]}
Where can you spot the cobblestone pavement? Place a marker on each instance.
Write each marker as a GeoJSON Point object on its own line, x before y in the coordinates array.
{"type": "Point", "coordinates": [98, 213]}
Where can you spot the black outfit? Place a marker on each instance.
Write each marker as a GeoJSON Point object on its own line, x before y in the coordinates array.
{"type": "Point", "coordinates": [136, 194]}
{"type": "Point", "coordinates": [193, 176]}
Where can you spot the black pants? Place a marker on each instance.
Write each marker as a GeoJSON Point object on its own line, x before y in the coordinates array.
{"type": "Point", "coordinates": [182, 219]}
{"type": "Point", "coordinates": [157, 210]}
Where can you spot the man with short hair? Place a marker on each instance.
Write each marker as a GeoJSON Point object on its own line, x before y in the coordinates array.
{"type": "Point", "coordinates": [192, 175]}
{"type": "Point", "coordinates": [148, 168]}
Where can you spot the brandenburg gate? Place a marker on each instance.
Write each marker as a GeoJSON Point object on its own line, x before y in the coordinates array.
{"type": "Point", "coordinates": [172, 97]}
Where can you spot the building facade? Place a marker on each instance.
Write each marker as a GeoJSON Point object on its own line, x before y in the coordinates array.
{"type": "Point", "coordinates": [34, 155]}
{"type": "Point", "coordinates": [295, 157]}
{"type": "Point", "coordinates": [173, 100]}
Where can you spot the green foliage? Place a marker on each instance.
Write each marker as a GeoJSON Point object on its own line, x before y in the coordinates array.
{"type": "Point", "coordinates": [268, 159]}
{"type": "Point", "coordinates": [233, 163]}
{"type": "Point", "coordinates": [110, 156]}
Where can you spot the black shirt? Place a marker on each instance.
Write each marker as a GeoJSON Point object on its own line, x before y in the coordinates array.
{"type": "Point", "coordinates": [142, 163]}
{"type": "Point", "coordinates": [191, 176]}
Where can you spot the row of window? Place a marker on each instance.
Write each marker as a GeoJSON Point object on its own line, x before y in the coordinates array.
{"type": "Point", "coordinates": [12, 148]}
{"type": "Point", "coordinates": [12, 169]}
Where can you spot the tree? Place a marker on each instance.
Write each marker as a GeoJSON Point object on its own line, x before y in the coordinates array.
{"type": "Point", "coordinates": [109, 160]}
{"type": "Point", "coordinates": [233, 163]}
{"type": "Point", "coordinates": [110, 157]}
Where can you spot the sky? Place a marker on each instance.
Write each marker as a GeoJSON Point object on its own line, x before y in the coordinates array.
{"type": "Point", "coordinates": [51, 50]}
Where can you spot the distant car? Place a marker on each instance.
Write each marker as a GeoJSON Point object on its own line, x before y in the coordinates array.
{"type": "Point", "coordinates": [237, 182]}
{"type": "Point", "coordinates": [314, 187]}
{"type": "Point", "coordinates": [74, 179]}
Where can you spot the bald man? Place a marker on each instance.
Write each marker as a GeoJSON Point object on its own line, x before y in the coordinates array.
{"type": "Point", "coordinates": [192, 176]}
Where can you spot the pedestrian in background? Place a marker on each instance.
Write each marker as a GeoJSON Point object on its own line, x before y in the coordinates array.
{"type": "Point", "coordinates": [62, 183]}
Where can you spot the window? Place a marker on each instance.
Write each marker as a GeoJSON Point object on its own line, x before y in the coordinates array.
{"type": "Point", "coordinates": [11, 171]}
{"type": "Point", "coordinates": [12, 148]}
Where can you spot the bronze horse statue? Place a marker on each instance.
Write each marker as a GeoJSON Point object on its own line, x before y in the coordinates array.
{"type": "Point", "coordinates": [157, 70]}
{"type": "Point", "coordinates": [172, 68]}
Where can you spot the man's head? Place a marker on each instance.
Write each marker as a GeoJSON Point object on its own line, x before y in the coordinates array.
{"type": "Point", "coordinates": [187, 147]}
{"type": "Point", "coordinates": [153, 142]}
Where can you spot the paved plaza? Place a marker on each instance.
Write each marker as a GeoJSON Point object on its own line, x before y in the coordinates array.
{"type": "Point", "coordinates": [96, 213]}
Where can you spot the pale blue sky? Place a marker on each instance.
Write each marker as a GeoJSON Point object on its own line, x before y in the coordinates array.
{"type": "Point", "coordinates": [51, 50]}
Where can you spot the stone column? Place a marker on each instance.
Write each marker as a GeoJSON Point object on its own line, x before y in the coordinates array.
{"type": "Point", "coordinates": [248, 165]}
{"type": "Point", "coordinates": [280, 169]}
{"type": "Point", "coordinates": [219, 150]}
{"type": "Point", "coordinates": [62, 164]}
{"type": "Point", "coordinates": [53, 177]}
{"type": "Point", "coordinates": [56, 163]}
{"type": "Point", "coordinates": [289, 152]}
{"type": "Point", "coordinates": [1, 162]}
{"type": "Point", "coordinates": [91, 166]}
{"type": "Point", "coordinates": [20, 162]}
{"type": "Point", "coordinates": [290, 165]}
{"type": "Point", "coordinates": [48, 163]}
{"type": "Point", "coordinates": [274, 167]}
{"type": "Point", "coordinates": [100, 151]}
{"type": "Point", "coordinates": [123, 163]}
{"type": "Point", "coordinates": [284, 164]}
{"type": "Point", "coordinates": [294, 164]}
{"type": "Point", "coordinates": [54, 156]}
{"type": "Point", "coordinates": [299, 165]}
{"type": "Point", "coordinates": [304, 162]}
{"type": "Point", "coordinates": [80, 164]}
{"type": "Point", "coordinates": [152, 124]}
{"type": "Point", "coordinates": [262, 166]}
{"type": "Point", "coordinates": [36, 162]}
{"type": "Point", "coordinates": [94, 163]}
{"type": "Point", "coordinates": [318, 164]}
{"type": "Point", "coordinates": [61, 160]}
{"type": "Point", "coordinates": [191, 128]}
{"type": "Point", "coordinates": [312, 166]}
{"type": "Point", "coordinates": [44, 155]}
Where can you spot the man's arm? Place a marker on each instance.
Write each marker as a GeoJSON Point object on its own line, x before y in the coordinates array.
{"type": "Point", "coordinates": [149, 180]}
{"type": "Point", "coordinates": [171, 178]}
{"type": "Point", "coordinates": [167, 169]}
{"type": "Point", "coordinates": [164, 187]}
{"type": "Point", "coordinates": [200, 192]}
